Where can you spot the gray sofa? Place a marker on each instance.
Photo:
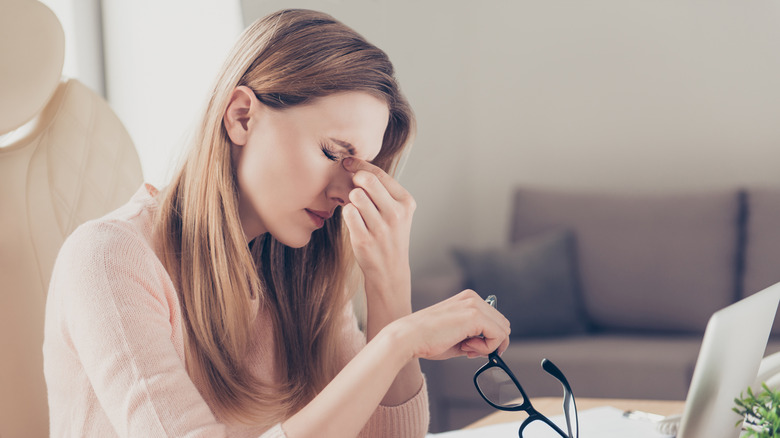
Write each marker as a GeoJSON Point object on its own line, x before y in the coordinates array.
{"type": "Point", "coordinates": [615, 288]}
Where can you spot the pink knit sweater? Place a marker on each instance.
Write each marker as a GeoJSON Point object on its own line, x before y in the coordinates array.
{"type": "Point", "coordinates": [114, 343]}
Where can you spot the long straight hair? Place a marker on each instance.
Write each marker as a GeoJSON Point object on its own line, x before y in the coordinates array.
{"type": "Point", "coordinates": [287, 58]}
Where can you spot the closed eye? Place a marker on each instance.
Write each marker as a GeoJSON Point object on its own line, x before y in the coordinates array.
{"type": "Point", "coordinates": [329, 153]}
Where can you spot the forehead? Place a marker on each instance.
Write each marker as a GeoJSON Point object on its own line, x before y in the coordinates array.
{"type": "Point", "coordinates": [354, 120]}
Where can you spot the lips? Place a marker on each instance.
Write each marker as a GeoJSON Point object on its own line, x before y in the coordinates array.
{"type": "Point", "coordinates": [319, 217]}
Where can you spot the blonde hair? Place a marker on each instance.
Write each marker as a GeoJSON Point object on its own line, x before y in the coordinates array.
{"type": "Point", "coordinates": [287, 58]}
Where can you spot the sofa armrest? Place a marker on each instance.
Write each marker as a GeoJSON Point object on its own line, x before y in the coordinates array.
{"type": "Point", "coordinates": [431, 288]}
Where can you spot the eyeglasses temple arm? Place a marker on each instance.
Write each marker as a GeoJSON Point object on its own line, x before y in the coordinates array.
{"type": "Point", "coordinates": [568, 396]}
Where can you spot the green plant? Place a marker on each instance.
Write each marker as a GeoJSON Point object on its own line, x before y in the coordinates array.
{"type": "Point", "coordinates": [761, 412]}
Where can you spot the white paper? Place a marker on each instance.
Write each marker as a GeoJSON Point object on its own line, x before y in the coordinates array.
{"type": "Point", "coordinates": [603, 422]}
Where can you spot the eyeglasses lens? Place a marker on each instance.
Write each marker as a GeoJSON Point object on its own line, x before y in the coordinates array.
{"type": "Point", "coordinates": [498, 387]}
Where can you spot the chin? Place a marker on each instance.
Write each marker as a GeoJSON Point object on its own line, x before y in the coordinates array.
{"type": "Point", "coordinates": [297, 244]}
{"type": "Point", "coordinates": [295, 241]}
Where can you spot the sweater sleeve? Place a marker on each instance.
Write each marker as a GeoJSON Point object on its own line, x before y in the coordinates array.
{"type": "Point", "coordinates": [117, 312]}
{"type": "Point", "coordinates": [407, 420]}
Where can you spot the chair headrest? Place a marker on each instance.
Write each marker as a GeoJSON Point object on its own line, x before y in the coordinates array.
{"type": "Point", "coordinates": [32, 50]}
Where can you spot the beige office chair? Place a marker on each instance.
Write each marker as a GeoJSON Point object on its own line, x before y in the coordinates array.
{"type": "Point", "coordinates": [67, 159]}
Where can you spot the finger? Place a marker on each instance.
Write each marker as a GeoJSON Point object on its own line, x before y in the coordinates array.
{"type": "Point", "coordinates": [487, 343]}
{"type": "Point", "coordinates": [375, 189]}
{"type": "Point", "coordinates": [495, 344]}
{"type": "Point", "coordinates": [355, 225]}
{"type": "Point", "coordinates": [472, 345]}
{"type": "Point", "coordinates": [495, 328]}
{"type": "Point", "coordinates": [367, 210]}
{"type": "Point", "coordinates": [467, 350]}
{"type": "Point", "coordinates": [504, 345]}
{"type": "Point", "coordinates": [492, 312]}
{"type": "Point", "coordinates": [487, 310]}
{"type": "Point", "coordinates": [483, 346]}
{"type": "Point", "coordinates": [464, 346]}
{"type": "Point", "coordinates": [505, 324]}
{"type": "Point", "coordinates": [395, 189]}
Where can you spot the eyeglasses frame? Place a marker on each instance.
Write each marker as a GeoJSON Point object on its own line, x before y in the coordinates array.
{"type": "Point", "coordinates": [494, 360]}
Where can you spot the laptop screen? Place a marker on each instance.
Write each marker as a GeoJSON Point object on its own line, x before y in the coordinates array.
{"type": "Point", "coordinates": [730, 354]}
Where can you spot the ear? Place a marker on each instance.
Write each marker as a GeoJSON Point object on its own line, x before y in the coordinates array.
{"type": "Point", "coordinates": [242, 106]}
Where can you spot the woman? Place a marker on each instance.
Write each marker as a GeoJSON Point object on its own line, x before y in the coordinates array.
{"type": "Point", "coordinates": [221, 304]}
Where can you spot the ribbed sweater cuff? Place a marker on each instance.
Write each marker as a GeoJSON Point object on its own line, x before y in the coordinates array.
{"type": "Point", "coordinates": [409, 419]}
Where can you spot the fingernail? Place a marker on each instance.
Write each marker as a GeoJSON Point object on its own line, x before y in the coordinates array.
{"type": "Point", "coordinates": [348, 161]}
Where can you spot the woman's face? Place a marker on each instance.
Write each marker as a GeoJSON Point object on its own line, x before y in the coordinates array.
{"type": "Point", "coordinates": [290, 177]}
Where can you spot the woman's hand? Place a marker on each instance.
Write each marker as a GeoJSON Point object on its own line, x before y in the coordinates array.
{"type": "Point", "coordinates": [447, 329]}
{"type": "Point", "coordinates": [379, 219]}
{"type": "Point", "coordinates": [461, 325]}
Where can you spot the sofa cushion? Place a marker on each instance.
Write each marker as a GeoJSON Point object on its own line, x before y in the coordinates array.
{"type": "Point", "coordinates": [534, 280]}
{"type": "Point", "coordinates": [762, 253]}
{"type": "Point", "coordinates": [663, 262]}
{"type": "Point", "coordinates": [657, 367]}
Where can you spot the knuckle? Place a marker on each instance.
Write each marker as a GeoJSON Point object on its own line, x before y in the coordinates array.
{"type": "Point", "coordinates": [465, 295]}
{"type": "Point", "coordinates": [359, 241]}
{"type": "Point", "coordinates": [407, 203]}
{"type": "Point", "coordinates": [472, 313]}
{"type": "Point", "coordinates": [359, 177]}
{"type": "Point", "coordinates": [469, 293]}
{"type": "Point", "coordinates": [374, 182]}
{"type": "Point", "coordinates": [382, 228]}
{"type": "Point", "coordinates": [364, 178]}
{"type": "Point", "coordinates": [356, 195]}
{"type": "Point", "coordinates": [396, 216]}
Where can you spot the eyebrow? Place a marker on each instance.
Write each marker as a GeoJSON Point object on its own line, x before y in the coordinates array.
{"type": "Point", "coordinates": [348, 146]}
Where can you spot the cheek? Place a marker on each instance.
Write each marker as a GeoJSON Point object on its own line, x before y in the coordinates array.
{"type": "Point", "coordinates": [253, 171]}
{"type": "Point", "coordinates": [308, 176]}
{"type": "Point", "coordinates": [298, 177]}
{"type": "Point", "coordinates": [276, 171]}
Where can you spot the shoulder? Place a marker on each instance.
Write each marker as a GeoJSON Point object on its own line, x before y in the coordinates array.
{"type": "Point", "coordinates": [103, 242]}
{"type": "Point", "coordinates": [123, 235]}
{"type": "Point", "coordinates": [112, 258]}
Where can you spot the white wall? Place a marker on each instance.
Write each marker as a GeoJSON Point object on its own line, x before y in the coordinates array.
{"type": "Point", "coordinates": [81, 22]}
{"type": "Point", "coordinates": [161, 60]}
{"type": "Point", "coordinates": [629, 95]}
{"type": "Point", "coordinates": [625, 95]}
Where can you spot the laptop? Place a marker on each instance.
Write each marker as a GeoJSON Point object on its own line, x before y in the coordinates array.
{"type": "Point", "coordinates": [728, 362]}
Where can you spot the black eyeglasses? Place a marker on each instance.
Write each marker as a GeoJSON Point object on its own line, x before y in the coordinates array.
{"type": "Point", "coordinates": [499, 387]}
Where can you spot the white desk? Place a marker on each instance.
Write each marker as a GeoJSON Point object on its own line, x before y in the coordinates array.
{"type": "Point", "coordinates": [551, 406]}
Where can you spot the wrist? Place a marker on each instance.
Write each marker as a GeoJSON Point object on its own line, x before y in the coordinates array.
{"type": "Point", "coordinates": [389, 295]}
{"type": "Point", "coordinates": [385, 284]}
{"type": "Point", "coordinates": [386, 302]}
{"type": "Point", "coordinates": [382, 311]}
{"type": "Point", "coordinates": [398, 337]}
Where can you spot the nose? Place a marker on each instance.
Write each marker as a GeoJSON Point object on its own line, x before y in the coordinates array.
{"type": "Point", "coordinates": [339, 187]}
